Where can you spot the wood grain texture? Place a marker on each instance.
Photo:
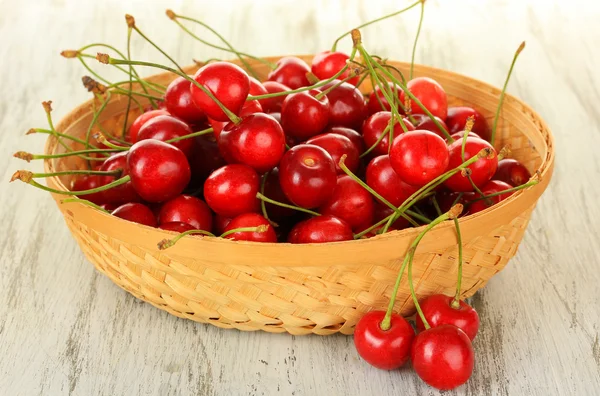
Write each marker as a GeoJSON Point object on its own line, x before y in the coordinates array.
{"type": "Point", "coordinates": [64, 329]}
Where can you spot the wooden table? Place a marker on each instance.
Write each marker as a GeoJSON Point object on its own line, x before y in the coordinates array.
{"type": "Point", "coordinates": [64, 329]}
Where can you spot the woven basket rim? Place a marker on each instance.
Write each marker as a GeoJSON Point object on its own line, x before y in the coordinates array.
{"type": "Point", "coordinates": [495, 212]}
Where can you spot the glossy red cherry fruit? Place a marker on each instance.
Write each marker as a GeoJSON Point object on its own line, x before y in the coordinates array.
{"type": "Point", "coordinates": [227, 82]}
{"type": "Point", "coordinates": [481, 171]}
{"type": "Point", "coordinates": [257, 141]}
{"type": "Point", "coordinates": [250, 107]}
{"type": "Point", "coordinates": [303, 115]}
{"type": "Point", "coordinates": [90, 182]}
{"type": "Point", "coordinates": [123, 193]}
{"type": "Point", "coordinates": [158, 170]}
{"type": "Point", "coordinates": [320, 229]}
{"type": "Point", "coordinates": [443, 357]}
{"type": "Point", "coordinates": [512, 172]}
{"type": "Point", "coordinates": [375, 125]}
{"type": "Point", "coordinates": [385, 349]}
{"type": "Point", "coordinates": [220, 223]}
{"type": "Point", "coordinates": [176, 226]}
{"type": "Point", "coordinates": [419, 156]}
{"type": "Point", "coordinates": [382, 178]}
{"type": "Point", "coordinates": [438, 310]}
{"type": "Point", "coordinates": [382, 104]}
{"type": "Point", "coordinates": [274, 191]}
{"type": "Point", "coordinates": [457, 120]}
{"type": "Point", "coordinates": [231, 190]}
{"type": "Point", "coordinates": [186, 209]}
{"type": "Point", "coordinates": [423, 122]}
{"type": "Point", "coordinates": [327, 64]}
{"type": "Point", "coordinates": [137, 213]}
{"type": "Point", "coordinates": [178, 101]}
{"type": "Point", "coordinates": [139, 122]}
{"type": "Point", "coordinates": [431, 95]}
{"type": "Point", "coordinates": [355, 137]}
{"type": "Point", "coordinates": [291, 72]}
{"type": "Point", "coordinates": [491, 187]}
{"type": "Point", "coordinates": [307, 175]}
{"type": "Point", "coordinates": [459, 135]}
{"type": "Point", "coordinates": [251, 220]}
{"type": "Point", "coordinates": [273, 104]}
{"type": "Point", "coordinates": [338, 145]}
{"type": "Point", "coordinates": [351, 203]}
{"type": "Point", "coordinates": [165, 128]}
{"type": "Point", "coordinates": [347, 106]}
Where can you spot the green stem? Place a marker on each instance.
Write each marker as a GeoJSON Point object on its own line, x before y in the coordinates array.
{"type": "Point", "coordinates": [436, 206]}
{"type": "Point", "coordinates": [167, 243]}
{"type": "Point", "coordinates": [95, 118]}
{"type": "Point", "coordinates": [129, 95]}
{"type": "Point", "coordinates": [456, 302]}
{"type": "Point", "coordinates": [85, 202]}
{"type": "Point", "coordinates": [508, 190]}
{"type": "Point", "coordinates": [191, 135]}
{"type": "Point", "coordinates": [28, 157]}
{"type": "Point", "coordinates": [379, 139]}
{"type": "Point", "coordinates": [414, 49]}
{"type": "Point", "coordinates": [115, 172]}
{"type": "Point", "coordinates": [501, 101]}
{"type": "Point", "coordinates": [105, 187]}
{"type": "Point", "coordinates": [284, 205]}
{"type": "Point", "coordinates": [243, 229]}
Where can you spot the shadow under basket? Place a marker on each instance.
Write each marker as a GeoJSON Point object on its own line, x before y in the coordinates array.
{"type": "Point", "coordinates": [315, 288]}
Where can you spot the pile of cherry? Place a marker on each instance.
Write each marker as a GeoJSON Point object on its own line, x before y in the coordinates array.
{"type": "Point", "coordinates": [304, 157]}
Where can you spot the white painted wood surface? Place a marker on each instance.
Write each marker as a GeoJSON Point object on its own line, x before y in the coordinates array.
{"type": "Point", "coordinates": [65, 330]}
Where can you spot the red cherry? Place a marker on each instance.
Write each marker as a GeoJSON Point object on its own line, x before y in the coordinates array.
{"type": "Point", "coordinates": [178, 101]}
{"type": "Point", "coordinates": [273, 190]}
{"type": "Point", "coordinates": [273, 104]}
{"type": "Point", "coordinates": [220, 223]}
{"type": "Point", "coordinates": [430, 93]}
{"type": "Point", "coordinates": [512, 172]}
{"type": "Point", "coordinates": [327, 64]}
{"type": "Point", "coordinates": [347, 106]}
{"type": "Point", "coordinates": [320, 229]}
{"type": "Point", "coordinates": [307, 175]}
{"type": "Point", "coordinates": [385, 349]}
{"type": "Point", "coordinates": [491, 187]}
{"type": "Point", "coordinates": [374, 106]}
{"type": "Point", "coordinates": [481, 171]}
{"type": "Point", "coordinates": [351, 203]}
{"type": "Point", "coordinates": [250, 107]}
{"type": "Point", "coordinates": [423, 122]}
{"type": "Point", "coordinates": [125, 192]}
{"type": "Point", "coordinates": [457, 119]}
{"type": "Point", "coordinates": [186, 209]}
{"type": "Point", "coordinates": [227, 82]}
{"type": "Point", "coordinates": [139, 122]}
{"type": "Point", "coordinates": [206, 158]}
{"type": "Point", "coordinates": [418, 157]}
{"type": "Point", "coordinates": [89, 182]}
{"type": "Point", "coordinates": [257, 141]}
{"type": "Point", "coordinates": [438, 311]}
{"type": "Point", "coordinates": [251, 220]}
{"type": "Point", "coordinates": [382, 178]}
{"type": "Point", "coordinates": [176, 226]}
{"type": "Point", "coordinates": [447, 199]}
{"type": "Point", "coordinates": [137, 213]}
{"type": "Point", "coordinates": [338, 145]}
{"type": "Point", "coordinates": [375, 125]}
{"type": "Point", "coordinates": [459, 135]}
{"type": "Point", "coordinates": [351, 134]}
{"type": "Point", "coordinates": [165, 128]}
{"type": "Point", "coordinates": [290, 71]}
{"type": "Point", "coordinates": [158, 170]}
{"type": "Point", "coordinates": [303, 115]}
{"type": "Point", "coordinates": [443, 357]}
{"type": "Point", "coordinates": [231, 190]}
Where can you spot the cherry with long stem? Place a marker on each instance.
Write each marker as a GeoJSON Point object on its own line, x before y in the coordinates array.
{"type": "Point", "coordinates": [261, 197]}
{"type": "Point", "coordinates": [27, 177]}
{"type": "Point", "coordinates": [167, 243]}
{"type": "Point", "coordinates": [501, 101]}
{"type": "Point", "coordinates": [507, 191]}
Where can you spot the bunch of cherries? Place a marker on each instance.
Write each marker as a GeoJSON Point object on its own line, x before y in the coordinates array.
{"type": "Point", "coordinates": [302, 157]}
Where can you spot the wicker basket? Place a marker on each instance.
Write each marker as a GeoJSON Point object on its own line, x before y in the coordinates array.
{"type": "Point", "coordinates": [302, 289]}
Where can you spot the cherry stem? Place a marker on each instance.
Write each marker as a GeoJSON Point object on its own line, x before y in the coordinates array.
{"type": "Point", "coordinates": [191, 135]}
{"type": "Point", "coordinates": [508, 190]}
{"type": "Point", "coordinates": [436, 206]}
{"type": "Point", "coordinates": [102, 139]}
{"type": "Point", "coordinates": [230, 48]}
{"type": "Point", "coordinates": [85, 202]}
{"type": "Point", "coordinates": [167, 243]}
{"type": "Point", "coordinates": [104, 58]}
{"type": "Point", "coordinates": [129, 95]}
{"type": "Point", "coordinates": [116, 172]}
{"type": "Point", "coordinates": [302, 89]}
{"type": "Point", "coordinates": [27, 177]}
{"type": "Point", "coordinates": [408, 259]}
{"type": "Point", "coordinates": [95, 118]}
{"type": "Point", "coordinates": [260, 228]}
{"type": "Point", "coordinates": [49, 132]}
{"type": "Point", "coordinates": [284, 205]}
{"type": "Point", "coordinates": [335, 43]}
{"type": "Point", "coordinates": [379, 139]}
{"type": "Point", "coordinates": [353, 73]}
{"type": "Point", "coordinates": [263, 205]}
{"type": "Point", "coordinates": [28, 156]}
{"type": "Point", "coordinates": [456, 302]}
{"type": "Point", "coordinates": [501, 101]}
{"type": "Point", "coordinates": [414, 49]}
{"type": "Point", "coordinates": [375, 193]}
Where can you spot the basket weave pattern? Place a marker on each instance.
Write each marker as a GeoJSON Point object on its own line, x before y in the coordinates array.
{"type": "Point", "coordinates": [311, 289]}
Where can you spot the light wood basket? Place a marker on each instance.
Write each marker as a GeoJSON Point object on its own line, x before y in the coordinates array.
{"type": "Point", "coordinates": [317, 288]}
